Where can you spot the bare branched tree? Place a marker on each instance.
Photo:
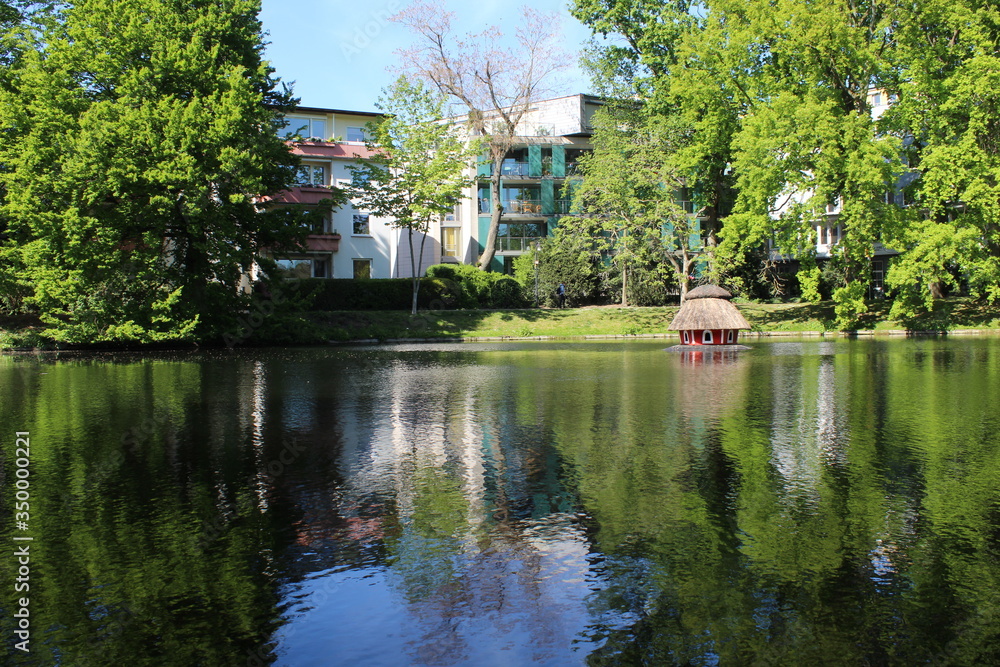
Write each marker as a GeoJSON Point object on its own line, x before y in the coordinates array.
{"type": "Point", "coordinates": [494, 82]}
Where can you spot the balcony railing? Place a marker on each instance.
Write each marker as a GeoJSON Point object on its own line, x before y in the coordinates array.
{"type": "Point", "coordinates": [515, 243]}
{"type": "Point", "coordinates": [514, 206]}
{"type": "Point", "coordinates": [514, 169]}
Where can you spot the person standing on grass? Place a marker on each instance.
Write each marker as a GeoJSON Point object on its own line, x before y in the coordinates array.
{"type": "Point", "coordinates": [561, 295]}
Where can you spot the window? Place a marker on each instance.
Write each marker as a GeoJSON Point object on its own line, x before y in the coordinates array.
{"type": "Point", "coordinates": [450, 241]}
{"type": "Point", "coordinates": [362, 269]}
{"type": "Point", "coordinates": [730, 336]}
{"type": "Point", "coordinates": [361, 224]}
{"type": "Point", "coordinates": [320, 225]}
{"type": "Point", "coordinates": [455, 214]}
{"type": "Point", "coordinates": [311, 175]}
{"type": "Point", "coordinates": [356, 134]}
{"type": "Point", "coordinates": [295, 268]}
{"type": "Point", "coordinates": [686, 339]}
{"type": "Point", "coordinates": [517, 237]}
{"type": "Point", "coordinates": [319, 268]}
{"type": "Point", "coordinates": [706, 337]}
{"type": "Point", "coordinates": [305, 127]}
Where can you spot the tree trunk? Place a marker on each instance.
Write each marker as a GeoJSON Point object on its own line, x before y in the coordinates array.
{"type": "Point", "coordinates": [415, 267]}
{"type": "Point", "coordinates": [496, 211]}
{"type": "Point", "coordinates": [686, 262]}
{"type": "Point", "coordinates": [624, 286]}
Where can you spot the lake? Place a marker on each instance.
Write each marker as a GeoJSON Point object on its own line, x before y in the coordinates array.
{"type": "Point", "coordinates": [814, 501]}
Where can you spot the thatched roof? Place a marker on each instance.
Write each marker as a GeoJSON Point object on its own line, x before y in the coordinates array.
{"type": "Point", "coordinates": [708, 292]}
{"type": "Point", "coordinates": [708, 307]}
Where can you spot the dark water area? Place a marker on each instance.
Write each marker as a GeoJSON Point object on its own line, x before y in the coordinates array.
{"type": "Point", "coordinates": [799, 503]}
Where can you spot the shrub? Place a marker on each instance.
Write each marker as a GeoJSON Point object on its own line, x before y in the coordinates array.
{"type": "Point", "coordinates": [323, 294]}
{"type": "Point", "coordinates": [468, 287]}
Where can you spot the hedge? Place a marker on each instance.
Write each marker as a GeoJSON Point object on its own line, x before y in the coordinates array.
{"type": "Point", "coordinates": [324, 294]}
{"type": "Point", "coordinates": [446, 286]}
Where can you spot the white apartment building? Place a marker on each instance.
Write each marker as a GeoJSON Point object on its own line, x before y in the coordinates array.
{"type": "Point", "coordinates": [350, 242]}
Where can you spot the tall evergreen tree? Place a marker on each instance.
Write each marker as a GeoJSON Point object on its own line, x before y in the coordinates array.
{"type": "Point", "coordinates": [141, 135]}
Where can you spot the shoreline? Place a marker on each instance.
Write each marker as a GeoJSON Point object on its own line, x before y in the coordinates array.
{"type": "Point", "coordinates": [755, 335]}
{"type": "Point", "coordinates": [951, 317]}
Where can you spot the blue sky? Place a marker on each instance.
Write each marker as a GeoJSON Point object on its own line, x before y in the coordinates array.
{"type": "Point", "coordinates": [339, 53]}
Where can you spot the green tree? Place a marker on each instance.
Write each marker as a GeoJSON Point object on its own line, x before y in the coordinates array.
{"type": "Point", "coordinates": [948, 107]}
{"type": "Point", "coordinates": [776, 95]}
{"type": "Point", "coordinates": [638, 220]}
{"type": "Point", "coordinates": [142, 136]}
{"type": "Point", "coordinates": [673, 57]}
{"type": "Point", "coordinates": [416, 174]}
{"type": "Point", "coordinates": [809, 140]}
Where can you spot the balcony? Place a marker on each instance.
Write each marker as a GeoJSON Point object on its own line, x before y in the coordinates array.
{"type": "Point", "coordinates": [514, 206]}
{"type": "Point", "coordinates": [323, 242]}
{"type": "Point", "coordinates": [514, 169]}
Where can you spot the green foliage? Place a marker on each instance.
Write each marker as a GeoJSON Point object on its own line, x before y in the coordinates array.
{"type": "Point", "coordinates": [809, 279]}
{"type": "Point", "coordinates": [416, 174]}
{"type": "Point", "coordinates": [637, 222]}
{"type": "Point", "coordinates": [572, 257]}
{"type": "Point", "coordinates": [849, 305]}
{"type": "Point", "coordinates": [321, 294]}
{"type": "Point", "coordinates": [525, 273]}
{"type": "Point", "coordinates": [471, 288]}
{"type": "Point", "coordinates": [949, 100]}
{"type": "Point", "coordinates": [140, 136]}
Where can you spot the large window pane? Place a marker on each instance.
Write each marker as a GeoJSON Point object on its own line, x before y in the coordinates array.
{"type": "Point", "coordinates": [450, 241]}
{"type": "Point", "coordinates": [295, 268]}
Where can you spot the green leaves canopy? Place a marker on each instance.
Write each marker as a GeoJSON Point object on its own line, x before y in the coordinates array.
{"type": "Point", "coordinates": [139, 140]}
{"type": "Point", "coordinates": [779, 94]}
{"type": "Point", "coordinates": [416, 173]}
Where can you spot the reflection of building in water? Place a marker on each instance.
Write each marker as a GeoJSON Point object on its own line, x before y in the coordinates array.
{"type": "Point", "coordinates": [806, 430]}
{"type": "Point", "coordinates": [432, 484]}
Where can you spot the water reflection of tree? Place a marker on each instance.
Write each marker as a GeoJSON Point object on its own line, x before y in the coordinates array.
{"type": "Point", "coordinates": [781, 526]}
{"type": "Point", "coordinates": [123, 492]}
{"type": "Point", "coordinates": [442, 469]}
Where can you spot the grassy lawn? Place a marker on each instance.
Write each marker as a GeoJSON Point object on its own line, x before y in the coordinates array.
{"type": "Point", "coordinates": [949, 314]}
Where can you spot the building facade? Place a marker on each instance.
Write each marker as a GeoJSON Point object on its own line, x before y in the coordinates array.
{"type": "Point", "coordinates": [536, 183]}
{"type": "Point", "coordinates": [350, 242]}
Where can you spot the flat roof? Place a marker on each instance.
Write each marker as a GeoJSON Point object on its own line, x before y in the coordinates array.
{"type": "Point", "coordinates": [373, 114]}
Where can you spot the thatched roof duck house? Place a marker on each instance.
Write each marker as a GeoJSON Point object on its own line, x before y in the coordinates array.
{"type": "Point", "coordinates": [708, 318]}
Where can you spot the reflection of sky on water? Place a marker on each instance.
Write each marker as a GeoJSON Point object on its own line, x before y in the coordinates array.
{"type": "Point", "coordinates": [442, 542]}
{"type": "Point", "coordinates": [461, 579]}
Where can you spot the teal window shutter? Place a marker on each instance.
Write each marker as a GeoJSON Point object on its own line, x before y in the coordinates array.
{"type": "Point", "coordinates": [548, 197]}
{"type": "Point", "coordinates": [694, 242]}
{"type": "Point", "coordinates": [535, 161]}
{"type": "Point", "coordinates": [559, 161]}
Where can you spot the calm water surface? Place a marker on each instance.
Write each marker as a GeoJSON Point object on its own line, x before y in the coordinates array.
{"type": "Point", "coordinates": [804, 502]}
